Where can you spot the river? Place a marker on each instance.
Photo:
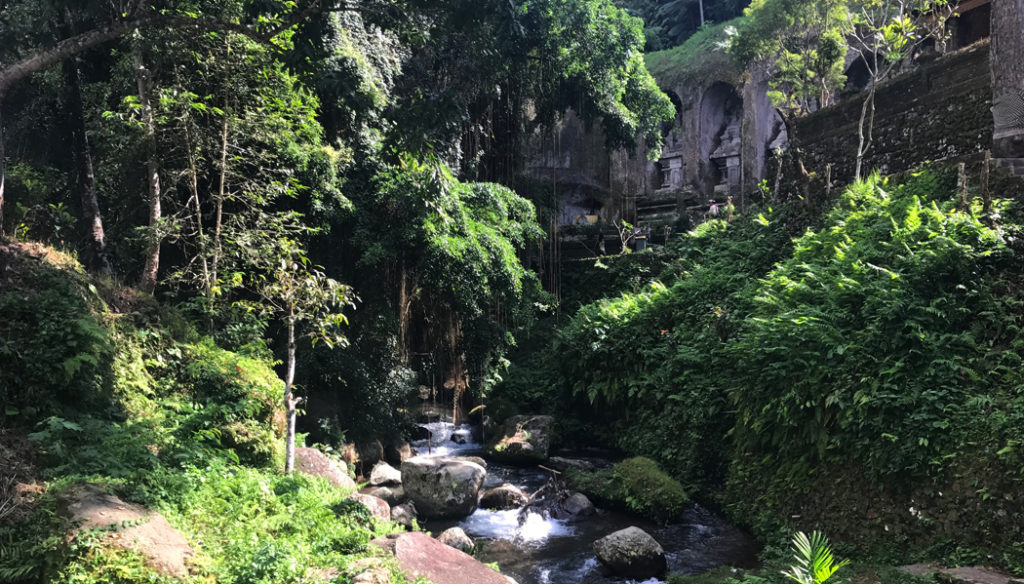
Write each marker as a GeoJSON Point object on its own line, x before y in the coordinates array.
{"type": "Point", "coordinates": [538, 550]}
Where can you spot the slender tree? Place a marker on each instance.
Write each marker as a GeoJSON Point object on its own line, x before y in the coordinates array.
{"type": "Point", "coordinates": [309, 305]}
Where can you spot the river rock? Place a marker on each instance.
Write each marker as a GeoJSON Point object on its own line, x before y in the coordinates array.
{"type": "Point", "coordinates": [312, 462]}
{"type": "Point", "coordinates": [404, 514]}
{"type": "Point", "coordinates": [473, 459]}
{"type": "Point", "coordinates": [422, 556]}
{"type": "Point", "coordinates": [370, 453]}
{"type": "Point", "coordinates": [563, 464]}
{"type": "Point", "coordinates": [631, 553]}
{"type": "Point", "coordinates": [442, 487]}
{"type": "Point", "coordinates": [507, 496]}
{"type": "Point", "coordinates": [523, 440]}
{"type": "Point", "coordinates": [578, 504]}
{"type": "Point", "coordinates": [378, 507]}
{"type": "Point", "coordinates": [383, 474]}
{"type": "Point", "coordinates": [394, 495]}
{"type": "Point", "coordinates": [456, 538]}
{"type": "Point", "coordinates": [395, 454]}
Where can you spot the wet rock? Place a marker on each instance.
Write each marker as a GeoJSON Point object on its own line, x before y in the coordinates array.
{"type": "Point", "coordinates": [461, 436]}
{"type": "Point", "coordinates": [562, 464]}
{"type": "Point", "coordinates": [378, 507]}
{"type": "Point", "coordinates": [383, 474]}
{"type": "Point", "coordinates": [133, 527]}
{"type": "Point", "coordinates": [404, 514]}
{"type": "Point", "coordinates": [442, 487]}
{"type": "Point", "coordinates": [395, 454]}
{"type": "Point", "coordinates": [312, 462]}
{"type": "Point", "coordinates": [394, 495]}
{"type": "Point", "coordinates": [523, 440]}
{"type": "Point", "coordinates": [370, 453]}
{"type": "Point", "coordinates": [474, 459]}
{"type": "Point", "coordinates": [578, 504]}
{"type": "Point", "coordinates": [421, 433]}
{"type": "Point", "coordinates": [422, 556]}
{"type": "Point", "coordinates": [631, 553]}
{"type": "Point", "coordinates": [507, 496]}
{"type": "Point", "coordinates": [456, 538]}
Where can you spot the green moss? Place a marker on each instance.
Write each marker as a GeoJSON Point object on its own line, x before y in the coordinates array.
{"type": "Point", "coordinates": [701, 56]}
{"type": "Point", "coordinates": [635, 484]}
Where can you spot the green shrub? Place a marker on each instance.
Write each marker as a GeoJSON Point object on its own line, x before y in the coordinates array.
{"type": "Point", "coordinates": [54, 346]}
{"type": "Point", "coordinates": [636, 484]}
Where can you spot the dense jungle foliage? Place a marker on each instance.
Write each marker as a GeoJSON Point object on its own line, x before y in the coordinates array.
{"type": "Point", "coordinates": [216, 214]}
{"type": "Point", "coordinates": [862, 376]}
{"type": "Point", "coordinates": [227, 222]}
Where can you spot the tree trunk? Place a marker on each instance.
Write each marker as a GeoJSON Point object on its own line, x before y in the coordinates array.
{"type": "Point", "coordinates": [218, 221]}
{"type": "Point", "coordinates": [152, 266]}
{"type": "Point", "coordinates": [85, 177]}
{"type": "Point", "coordinates": [865, 130]}
{"type": "Point", "coordinates": [203, 252]}
{"type": "Point", "coordinates": [2, 163]}
{"type": "Point", "coordinates": [290, 401]}
{"type": "Point", "coordinates": [1007, 78]}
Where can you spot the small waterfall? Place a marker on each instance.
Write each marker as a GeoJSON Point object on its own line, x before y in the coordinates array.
{"type": "Point", "coordinates": [447, 439]}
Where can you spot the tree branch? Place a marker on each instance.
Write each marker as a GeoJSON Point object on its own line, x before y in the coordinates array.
{"type": "Point", "coordinates": [74, 45]}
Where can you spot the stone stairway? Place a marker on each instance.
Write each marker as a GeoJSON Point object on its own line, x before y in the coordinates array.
{"type": "Point", "coordinates": [968, 575]}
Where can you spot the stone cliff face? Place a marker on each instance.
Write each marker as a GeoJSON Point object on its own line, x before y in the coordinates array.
{"type": "Point", "coordinates": [725, 131]}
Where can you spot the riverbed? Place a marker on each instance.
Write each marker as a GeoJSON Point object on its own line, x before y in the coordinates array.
{"type": "Point", "coordinates": [534, 549]}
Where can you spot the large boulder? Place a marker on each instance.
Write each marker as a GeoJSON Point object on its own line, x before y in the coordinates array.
{"type": "Point", "coordinates": [442, 487]}
{"type": "Point", "coordinates": [378, 507]}
{"type": "Point", "coordinates": [456, 538]}
{"type": "Point", "coordinates": [507, 496]}
{"type": "Point", "coordinates": [631, 553]}
{"type": "Point", "coordinates": [578, 504]}
{"type": "Point", "coordinates": [312, 462]}
{"type": "Point", "coordinates": [422, 556]}
{"type": "Point", "coordinates": [523, 440]}
{"type": "Point", "coordinates": [473, 459]}
{"type": "Point", "coordinates": [383, 474]}
{"type": "Point", "coordinates": [130, 527]}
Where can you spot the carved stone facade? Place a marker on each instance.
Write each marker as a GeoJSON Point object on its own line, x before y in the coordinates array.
{"type": "Point", "coordinates": [721, 141]}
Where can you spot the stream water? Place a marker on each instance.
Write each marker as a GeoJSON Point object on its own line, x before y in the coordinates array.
{"type": "Point", "coordinates": [539, 550]}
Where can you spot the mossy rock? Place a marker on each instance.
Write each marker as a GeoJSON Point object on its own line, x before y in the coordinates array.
{"type": "Point", "coordinates": [636, 485]}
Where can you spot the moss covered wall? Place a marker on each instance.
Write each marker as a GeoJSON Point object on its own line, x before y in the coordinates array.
{"type": "Point", "coordinates": [935, 112]}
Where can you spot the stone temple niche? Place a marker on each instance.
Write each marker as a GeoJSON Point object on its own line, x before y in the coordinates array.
{"type": "Point", "coordinates": [721, 117]}
{"type": "Point", "coordinates": [972, 24]}
{"type": "Point", "coordinates": [669, 168]}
